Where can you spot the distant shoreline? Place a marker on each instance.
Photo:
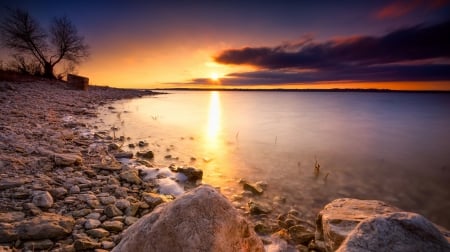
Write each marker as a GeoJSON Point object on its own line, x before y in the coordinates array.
{"type": "Point", "coordinates": [334, 90]}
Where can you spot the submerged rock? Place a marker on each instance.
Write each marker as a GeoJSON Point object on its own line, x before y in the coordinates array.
{"type": "Point", "coordinates": [124, 155]}
{"type": "Point", "coordinates": [254, 188]}
{"type": "Point", "coordinates": [201, 220]}
{"type": "Point", "coordinates": [401, 231]}
{"type": "Point", "coordinates": [146, 154]}
{"type": "Point", "coordinates": [192, 174]}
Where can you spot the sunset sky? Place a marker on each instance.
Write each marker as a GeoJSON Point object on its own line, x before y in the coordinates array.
{"type": "Point", "coordinates": [259, 44]}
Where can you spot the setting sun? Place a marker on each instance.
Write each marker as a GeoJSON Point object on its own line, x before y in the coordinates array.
{"type": "Point", "coordinates": [215, 76]}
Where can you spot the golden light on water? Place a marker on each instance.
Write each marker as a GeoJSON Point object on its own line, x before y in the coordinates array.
{"type": "Point", "coordinates": [213, 126]}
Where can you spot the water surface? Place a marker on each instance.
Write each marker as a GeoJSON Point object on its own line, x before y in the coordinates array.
{"type": "Point", "coordinates": [393, 147]}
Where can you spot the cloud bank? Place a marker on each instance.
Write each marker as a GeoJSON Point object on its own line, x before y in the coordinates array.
{"type": "Point", "coordinates": [418, 53]}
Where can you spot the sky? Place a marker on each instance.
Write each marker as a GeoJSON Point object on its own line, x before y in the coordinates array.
{"type": "Point", "coordinates": [258, 44]}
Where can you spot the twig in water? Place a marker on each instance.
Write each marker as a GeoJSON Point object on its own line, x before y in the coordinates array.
{"type": "Point", "coordinates": [316, 168]}
{"type": "Point", "coordinates": [325, 179]}
{"type": "Point", "coordinates": [276, 138]}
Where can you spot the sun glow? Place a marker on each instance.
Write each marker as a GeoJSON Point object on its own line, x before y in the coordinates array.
{"type": "Point", "coordinates": [215, 76]}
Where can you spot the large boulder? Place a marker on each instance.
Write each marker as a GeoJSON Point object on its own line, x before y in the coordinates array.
{"type": "Point", "coordinates": [201, 220]}
{"type": "Point", "coordinates": [401, 231]}
{"type": "Point", "coordinates": [340, 217]}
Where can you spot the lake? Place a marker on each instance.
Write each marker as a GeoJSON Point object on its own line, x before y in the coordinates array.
{"type": "Point", "coordinates": [393, 147]}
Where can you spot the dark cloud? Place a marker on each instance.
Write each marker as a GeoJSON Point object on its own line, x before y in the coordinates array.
{"type": "Point", "coordinates": [360, 58]}
{"type": "Point", "coordinates": [415, 43]}
{"type": "Point", "coordinates": [373, 74]}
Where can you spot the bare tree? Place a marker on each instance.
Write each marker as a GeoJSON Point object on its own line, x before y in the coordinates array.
{"type": "Point", "coordinates": [23, 34]}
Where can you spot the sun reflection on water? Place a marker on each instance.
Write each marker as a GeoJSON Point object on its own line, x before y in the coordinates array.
{"type": "Point", "coordinates": [213, 126]}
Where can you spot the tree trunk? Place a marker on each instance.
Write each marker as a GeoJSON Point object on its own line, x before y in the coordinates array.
{"type": "Point", "coordinates": [48, 71]}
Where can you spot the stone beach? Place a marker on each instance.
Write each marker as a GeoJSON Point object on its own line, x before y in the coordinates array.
{"type": "Point", "coordinates": [63, 187]}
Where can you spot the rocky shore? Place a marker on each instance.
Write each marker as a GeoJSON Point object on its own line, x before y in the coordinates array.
{"type": "Point", "coordinates": [65, 187]}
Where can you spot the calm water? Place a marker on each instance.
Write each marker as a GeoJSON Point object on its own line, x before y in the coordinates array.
{"type": "Point", "coordinates": [393, 147]}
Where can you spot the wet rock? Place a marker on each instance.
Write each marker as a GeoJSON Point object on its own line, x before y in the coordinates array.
{"type": "Point", "coordinates": [142, 144]}
{"type": "Point", "coordinates": [300, 235]}
{"type": "Point", "coordinates": [254, 188]}
{"type": "Point", "coordinates": [399, 231]}
{"type": "Point", "coordinates": [45, 226]}
{"type": "Point", "coordinates": [38, 245]}
{"type": "Point", "coordinates": [258, 208]}
{"type": "Point", "coordinates": [341, 216]}
{"type": "Point", "coordinates": [62, 159]}
{"type": "Point", "coordinates": [113, 226]}
{"type": "Point", "coordinates": [262, 229]}
{"type": "Point", "coordinates": [123, 155]}
{"type": "Point", "coordinates": [113, 146]}
{"type": "Point", "coordinates": [146, 154]}
{"type": "Point", "coordinates": [191, 173]}
{"type": "Point", "coordinates": [179, 226]}
{"type": "Point", "coordinates": [97, 233]}
{"type": "Point", "coordinates": [152, 199]}
{"type": "Point", "coordinates": [131, 176]}
{"type": "Point", "coordinates": [42, 199]}
{"type": "Point", "coordinates": [112, 211]}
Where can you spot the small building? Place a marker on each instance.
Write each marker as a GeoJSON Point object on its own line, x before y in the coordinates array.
{"type": "Point", "coordinates": [78, 82]}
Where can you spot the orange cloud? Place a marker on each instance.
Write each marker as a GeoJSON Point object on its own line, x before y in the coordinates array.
{"type": "Point", "coordinates": [401, 8]}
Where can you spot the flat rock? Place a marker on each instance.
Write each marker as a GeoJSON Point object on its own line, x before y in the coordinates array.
{"type": "Point", "coordinates": [341, 216]}
{"type": "Point", "coordinates": [97, 232]}
{"type": "Point", "coordinates": [7, 183]}
{"type": "Point", "coordinates": [400, 231]}
{"type": "Point", "coordinates": [200, 220]}
{"type": "Point", "coordinates": [113, 226]}
{"type": "Point", "coordinates": [45, 226]}
{"type": "Point", "coordinates": [38, 245]}
{"type": "Point", "coordinates": [63, 159]}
